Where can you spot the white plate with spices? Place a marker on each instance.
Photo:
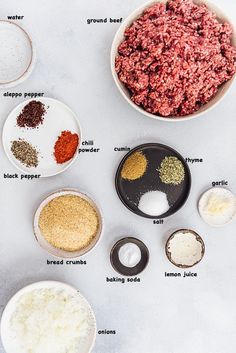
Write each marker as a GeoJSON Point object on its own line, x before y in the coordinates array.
{"type": "Point", "coordinates": [17, 55]}
{"type": "Point", "coordinates": [42, 137]}
{"type": "Point", "coordinates": [47, 300]}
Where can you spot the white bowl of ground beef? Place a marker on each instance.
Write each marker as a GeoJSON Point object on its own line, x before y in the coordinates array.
{"type": "Point", "coordinates": [174, 60]}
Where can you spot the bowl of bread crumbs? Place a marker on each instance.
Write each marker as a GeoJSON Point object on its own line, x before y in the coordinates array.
{"type": "Point", "coordinates": [67, 224]}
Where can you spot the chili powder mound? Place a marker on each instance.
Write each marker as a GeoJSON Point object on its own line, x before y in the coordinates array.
{"type": "Point", "coordinates": [32, 115]}
{"type": "Point", "coordinates": [65, 146]}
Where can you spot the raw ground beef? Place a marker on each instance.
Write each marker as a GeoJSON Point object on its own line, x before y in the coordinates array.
{"type": "Point", "coordinates": [175, 57]}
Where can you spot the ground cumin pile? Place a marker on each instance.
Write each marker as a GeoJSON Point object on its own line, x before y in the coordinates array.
{"type": "Point", "coordinates": [69, 222]}
{"type": "Point", "coordinates": [134, 167]}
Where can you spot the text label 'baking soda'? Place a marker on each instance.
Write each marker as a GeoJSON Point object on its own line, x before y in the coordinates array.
{"type": "Point", "coordinates": [123, 280]}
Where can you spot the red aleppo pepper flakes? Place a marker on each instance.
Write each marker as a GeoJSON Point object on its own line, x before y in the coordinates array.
{"type": "Point", "coordinates": [32, 115]}
{"type": "Point", "coordinates": [65, 146]}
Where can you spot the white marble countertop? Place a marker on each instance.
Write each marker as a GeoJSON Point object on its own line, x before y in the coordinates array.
{"type": "Point", "coordinates": [158, 315]}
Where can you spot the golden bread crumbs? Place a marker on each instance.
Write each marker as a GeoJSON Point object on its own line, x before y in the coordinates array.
{"type": "Point", "coordinates": [69, 222]}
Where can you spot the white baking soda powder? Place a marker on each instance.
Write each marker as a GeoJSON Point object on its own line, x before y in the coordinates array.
{"type": "Point", "coordinates": [130, 255]}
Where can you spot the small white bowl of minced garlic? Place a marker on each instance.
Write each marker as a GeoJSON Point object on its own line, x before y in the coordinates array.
{"type": "Point", "coordinates": [217, 206]}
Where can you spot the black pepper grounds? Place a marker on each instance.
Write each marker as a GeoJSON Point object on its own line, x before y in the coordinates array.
{"type": "Point", "coordinates": [32, 115]}
{"type": "Point", "coordinates": [25, 153]}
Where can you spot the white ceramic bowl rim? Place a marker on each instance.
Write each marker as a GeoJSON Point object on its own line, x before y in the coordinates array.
{"type": "Point", "coordinates": [32, 62]}
{"type": "Point", "coordinates": [204, 194]}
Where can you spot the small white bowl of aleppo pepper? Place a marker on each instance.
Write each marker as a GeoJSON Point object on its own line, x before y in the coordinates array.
{"type": "Point", "coordinates": [174, 60]}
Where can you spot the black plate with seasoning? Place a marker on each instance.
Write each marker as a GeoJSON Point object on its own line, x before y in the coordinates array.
{"type": "Point", "coordinates": [129, 271]}
{"type": "Point", "coordinates": [131, 190]}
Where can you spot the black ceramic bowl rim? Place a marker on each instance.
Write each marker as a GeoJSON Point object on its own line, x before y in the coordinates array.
{"type": "Point", "coordinates": [198, 237]}
{"type": "Point", "coordinates": [144, 253]}
{"type": "Point", "coordinates": [139, 147]}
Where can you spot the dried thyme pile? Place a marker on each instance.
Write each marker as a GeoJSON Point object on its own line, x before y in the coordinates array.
{"type": "Point", "coordinates": [25, 153]}
{"type": "Point", "coordinates": [171, 171]}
